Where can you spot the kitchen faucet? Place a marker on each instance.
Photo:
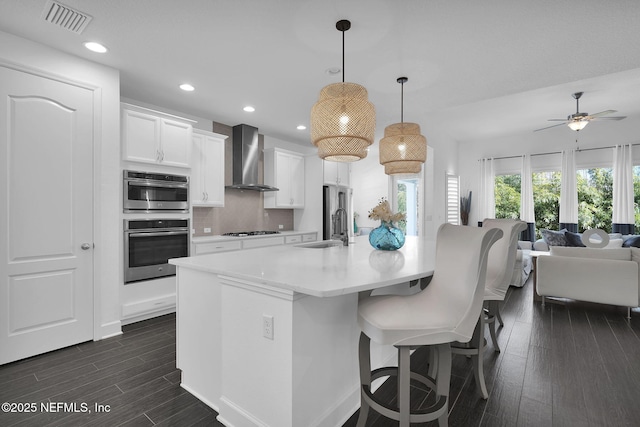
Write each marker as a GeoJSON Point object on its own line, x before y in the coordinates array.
{"type": "Point", "coordinates": [340, 217]}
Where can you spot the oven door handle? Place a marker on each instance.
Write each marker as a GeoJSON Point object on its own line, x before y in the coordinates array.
{"type": "Point", "coordinates": [166, 184]}
{"type": "Point", "coordinates": [161, 233]}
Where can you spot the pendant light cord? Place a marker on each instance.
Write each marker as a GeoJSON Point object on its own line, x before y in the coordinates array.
{"type": "Point", "coordinates": [402, 103]}
{"type": "Point", "coordinates": [342, 56]}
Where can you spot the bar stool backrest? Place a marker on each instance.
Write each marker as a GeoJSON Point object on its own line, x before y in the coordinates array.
{"type": "Point", "coordinates": [502, 255]}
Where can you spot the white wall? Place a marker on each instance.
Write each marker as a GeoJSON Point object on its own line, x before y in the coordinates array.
{"type": "Point", "coordinates": [27, 55]}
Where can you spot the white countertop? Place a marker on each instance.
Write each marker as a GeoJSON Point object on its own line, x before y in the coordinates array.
{"type": "Point", "coordinates": [322, 272]}
{"type": "Point", "coordinates": [220, 238]}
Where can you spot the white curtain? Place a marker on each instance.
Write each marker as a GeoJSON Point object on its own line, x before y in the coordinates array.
{"type": "Point", "coordinates": [486, 199]}
{"type": "Point", "coordinates": [568, 189]}
{"type": "Point", "coordinates": [527, 212]}
{"type": "Point", "coordinates": [623, 209]}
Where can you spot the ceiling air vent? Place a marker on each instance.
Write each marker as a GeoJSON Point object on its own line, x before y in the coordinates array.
{"type": "Point", "coordinates": [66, 17]}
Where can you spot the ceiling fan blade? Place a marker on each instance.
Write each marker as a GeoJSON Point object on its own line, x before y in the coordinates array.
{"type": "Point", "coordinates": [610, 118]}
{"type": "Point", "coordinates": [549, 127]}
{"type": "Point", "coordinates": [603, 113]}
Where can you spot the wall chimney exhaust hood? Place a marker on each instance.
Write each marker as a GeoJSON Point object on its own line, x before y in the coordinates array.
{"type": "Point", "coordinates": [246, 154]}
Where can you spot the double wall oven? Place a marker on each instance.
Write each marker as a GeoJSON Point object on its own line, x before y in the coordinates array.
{"type": "Point", "coordinates": [150, 241]}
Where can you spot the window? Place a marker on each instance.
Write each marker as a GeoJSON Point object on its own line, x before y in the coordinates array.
{"type": "Point", "coordinates": [546, 200]}
{"type": "Point", "coordinates": [636, 195]}
{"type": "Point", "coordinates": [507, 196]}
{"type": "Point", "coordinates": [407, 200]}
{"type": "Point", "coordinates": [595, 198]}
{"type": "Point", "coordinates": [453, 199]}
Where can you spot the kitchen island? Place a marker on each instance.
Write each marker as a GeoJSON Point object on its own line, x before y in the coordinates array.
{"type": "Point", "coordinates": [269, 336]}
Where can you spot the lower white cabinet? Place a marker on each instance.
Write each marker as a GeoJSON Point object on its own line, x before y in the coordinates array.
{"type": "Point", "coordinates": [207, 169]}
{"type": "Point", "coordinates": [201, 247]}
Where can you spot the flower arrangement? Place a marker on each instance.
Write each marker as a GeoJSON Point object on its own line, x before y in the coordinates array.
{"type": "Point", "coordinates": [383, 212]}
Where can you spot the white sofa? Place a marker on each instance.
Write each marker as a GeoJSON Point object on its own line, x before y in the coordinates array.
{"type": "Point", "coordinates": [607, 276]}
{"type": "Point", "coordinates": [523, 265]}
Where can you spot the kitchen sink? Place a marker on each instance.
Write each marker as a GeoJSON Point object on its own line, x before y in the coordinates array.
{"type": "Point", "coordinates": [321, 244]}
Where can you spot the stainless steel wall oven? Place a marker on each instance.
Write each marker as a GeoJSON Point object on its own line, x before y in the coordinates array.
{"type": "Point", "coordinates": [150, 243]}
{"type": "Point", "coordinates": [155, 192]}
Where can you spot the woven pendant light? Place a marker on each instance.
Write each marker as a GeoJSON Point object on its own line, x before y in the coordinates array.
{"type": "Point", "coordinates": [343, 120]}
{"type": "Point", "coordinates": [403, 149]}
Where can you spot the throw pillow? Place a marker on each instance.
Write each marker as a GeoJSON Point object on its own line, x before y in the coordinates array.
{"type": "Point", "coordinates": [574, 239]}
{"type": "Point", "coordinates": [554, 238]}
{"type": "Point", "coordinates": [614, 243]}
{"type": "Point", "coordinates": [633, 241]}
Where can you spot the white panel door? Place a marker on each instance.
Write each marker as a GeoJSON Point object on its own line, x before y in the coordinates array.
{"type": "Point", "coordinates": [46, 215]}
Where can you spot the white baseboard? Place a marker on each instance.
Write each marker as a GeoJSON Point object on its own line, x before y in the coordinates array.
{"type": "Point", "coordinates": [111, 329]}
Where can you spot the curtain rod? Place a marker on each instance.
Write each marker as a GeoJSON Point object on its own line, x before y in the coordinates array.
{"type": "Point", "coordinates": [558, 152]}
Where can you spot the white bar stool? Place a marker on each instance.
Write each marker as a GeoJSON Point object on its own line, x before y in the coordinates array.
{"type": "Point", "coordinates": [447, 310]}
{"type": "Point", "coordinates": [500, 261]}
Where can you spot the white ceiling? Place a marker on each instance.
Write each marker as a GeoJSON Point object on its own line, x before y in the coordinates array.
{"type": "Point", "coordinates": [477, 69]}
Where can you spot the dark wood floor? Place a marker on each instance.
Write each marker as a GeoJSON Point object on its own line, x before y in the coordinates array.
{"type": "Point", "coordinates": [565, 364]}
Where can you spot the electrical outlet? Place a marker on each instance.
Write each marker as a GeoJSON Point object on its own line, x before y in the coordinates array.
{"type": "Point", "coordinates": [280, 226]}
{"type": "Point", "coordinates": [267, 326]}
{"type": "Point", "coordinates": [207, 230]}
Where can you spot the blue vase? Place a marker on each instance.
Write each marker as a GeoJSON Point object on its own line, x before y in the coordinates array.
{"type": "Point", "coordinates": [386, 237]}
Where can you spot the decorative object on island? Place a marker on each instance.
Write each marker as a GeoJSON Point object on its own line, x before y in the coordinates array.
{"type": "Point", "coordinates": [465, 208]}
{"type": "Point", "coordinates": [387, 236]}
{"type": "Point", "coordinates": [403, 149]}
{"type": "Point", "coordinates": [343, 121]}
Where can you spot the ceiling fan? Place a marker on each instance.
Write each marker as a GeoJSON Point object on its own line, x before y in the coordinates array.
{"type": "Point", "coordinates": [579, 120]}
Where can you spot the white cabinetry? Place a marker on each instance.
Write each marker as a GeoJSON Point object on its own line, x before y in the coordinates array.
{"type": "Point", "coordinates": [207, 169]}
{"type": "Point", "coordinates": [149, 137]}
{"type": "Point", "coordinates": [285, 170]}
{"type": "Point", "coordinates": [336, 173]}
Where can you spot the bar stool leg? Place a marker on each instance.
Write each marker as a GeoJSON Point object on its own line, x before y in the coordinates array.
{"type": "Point", "coordinates": [477, 342]}
{"type": "Point", "coordinates": [404, 379]}
{"type": "Point", "coordinates": [364, 351]}
{"type": "Point", "coordinates": [443, 378]}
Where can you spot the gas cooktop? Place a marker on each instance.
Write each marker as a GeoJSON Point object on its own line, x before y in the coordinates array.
{"type": "Point", "coordinates": [250, 233]}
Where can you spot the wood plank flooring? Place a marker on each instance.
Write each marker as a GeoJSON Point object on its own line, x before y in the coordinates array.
{"type": "Point", "coordinates": [565, 364]}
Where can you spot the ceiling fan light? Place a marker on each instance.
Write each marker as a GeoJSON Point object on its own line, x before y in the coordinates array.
{"type": "Point", "coordinates": [578, 125]}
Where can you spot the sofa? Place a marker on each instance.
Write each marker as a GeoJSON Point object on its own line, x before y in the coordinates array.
{"type": "Point", "coordinates": [606, 276]}
{"type": "Point", "coordinates": [523, 265]}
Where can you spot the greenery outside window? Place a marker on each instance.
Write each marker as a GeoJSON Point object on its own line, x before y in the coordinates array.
{"type": "Point", "coordinates": [595, 198]}
{"type": "Point", "coordinates": [507, 196]}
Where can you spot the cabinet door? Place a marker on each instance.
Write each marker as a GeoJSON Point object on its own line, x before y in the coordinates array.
{"type": "Point", "coordinates": [140, 137]}
{"type": "Point", "coordinates": [283, 182]}
{"type": "Point", "coordinates": [207, 170]}
{"type": "Point", "coordinates": [196, 183]}
{"type": "Point", "coordinates": [213, 166]}
{"type": "Point", "coordinates": [175, 143]}
{"type": "Point", "coordinates": [330, 172]}
{"type": "Point", "coordinates": [296, 170]}
{"type": "Point", "coordinates": [343, 173]}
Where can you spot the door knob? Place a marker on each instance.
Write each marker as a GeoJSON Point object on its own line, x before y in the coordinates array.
{"type": "Point", "coordinates": [85, 246]}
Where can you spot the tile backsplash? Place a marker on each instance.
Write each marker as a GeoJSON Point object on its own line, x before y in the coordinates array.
{"type": "Point", "coordinates": [243, 209]}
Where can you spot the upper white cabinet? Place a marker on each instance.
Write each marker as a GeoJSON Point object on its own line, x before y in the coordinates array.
{"type": "Point", "coordinates": [336, 173]}
{"type": "Point", "coordinates": [285, 170]}
{"type": "Point", "coordinates": [150, 137]}
{"type": "Point", "coordinates": [207, 169]}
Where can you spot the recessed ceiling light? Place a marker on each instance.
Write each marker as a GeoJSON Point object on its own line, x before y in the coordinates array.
{"type": "Point", "coordinates": [333, 71]}
{"type": "Point", "coordinates": [187, 87]}
{"type": "Point", "coordinates": [95, 47]}
{"type": "Point", "coordinates": [301, 127]}
{"type": "Point", "coordinates": [249, 109]}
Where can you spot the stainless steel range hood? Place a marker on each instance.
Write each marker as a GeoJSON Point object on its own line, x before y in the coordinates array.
{"type": "Point", "coordinates": [246, 154]}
